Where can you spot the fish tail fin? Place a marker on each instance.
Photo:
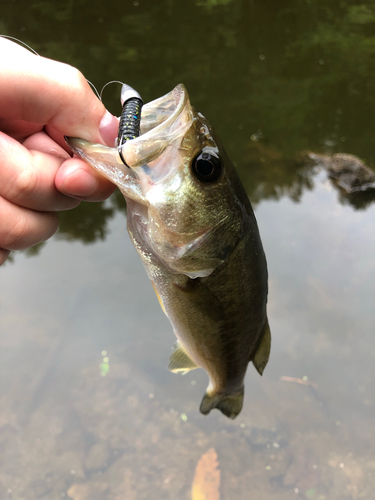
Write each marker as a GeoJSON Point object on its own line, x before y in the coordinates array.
{"type": "Point", "coordinates": [229, 404]}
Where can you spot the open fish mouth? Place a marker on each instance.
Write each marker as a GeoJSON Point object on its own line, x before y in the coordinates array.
{"type": "Point", "coordinates": [161, 115]}
{"type": "Point", "coordinates": [163, 124]}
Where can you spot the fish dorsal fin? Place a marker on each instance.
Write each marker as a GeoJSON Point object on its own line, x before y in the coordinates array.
{"type": "Point", "coordinates": [180, 362]}
{"type": "Point", "coordinates": [260, 358]}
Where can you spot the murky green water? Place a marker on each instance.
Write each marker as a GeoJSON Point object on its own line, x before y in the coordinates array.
{"type": "Point", "coordinates": [275, 78]}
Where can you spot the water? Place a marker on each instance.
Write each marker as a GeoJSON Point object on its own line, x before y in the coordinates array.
{"type": "Point", "coordinates": [88, 409]}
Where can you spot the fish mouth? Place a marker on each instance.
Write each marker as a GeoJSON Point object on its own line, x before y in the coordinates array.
{"type": "Point", "coordinates": [164, 122]}
{"type": "Point", "coordinates": [161, 113]}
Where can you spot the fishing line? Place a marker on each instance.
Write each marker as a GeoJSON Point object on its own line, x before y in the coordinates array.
{"type": "Point", "coordinates": [106, 85]}
{"type": "Point", "coordinates": [20, 42]}
{"type": "Point", "coordinates": [130, 120]}
{"type": "Point", "coordinates": [94, 88]}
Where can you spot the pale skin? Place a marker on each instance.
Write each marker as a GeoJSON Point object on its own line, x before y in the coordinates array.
{"type": "Point", "coordinates": [42, 100]}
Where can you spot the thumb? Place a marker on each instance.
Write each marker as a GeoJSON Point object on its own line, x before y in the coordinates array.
{"type": "Point", "coordinates": [46, 92]}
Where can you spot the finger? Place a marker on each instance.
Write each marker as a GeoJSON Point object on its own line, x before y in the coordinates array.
{"type": "Point", "coordinates": [4, 254]}
{"type": "Point", "coordinates": [28, 177]}
{"type": "Point", "coordinates": [22, 228]}
{"type": "Point", "coordinates": [59, 138]}
{"type": "Point", "coordinates": [19, 129]}
{"type": "Point", "coordinates": [77, 179]}
{"type": "Point", "coordinates": [45, 144]}
{"type": "Point", "coordinates": [39, 90]}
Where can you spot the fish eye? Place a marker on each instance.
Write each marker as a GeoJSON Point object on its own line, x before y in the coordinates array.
{"type": "Point", "coordinates": [207, 167]}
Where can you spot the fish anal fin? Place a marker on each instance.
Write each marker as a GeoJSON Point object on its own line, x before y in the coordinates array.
{"type": "Point", "coordinates": [260, 358]}
{"type": "Point", "coordinates": [180, 362]}
{"type": "Point", "coordinates": [229, 404]}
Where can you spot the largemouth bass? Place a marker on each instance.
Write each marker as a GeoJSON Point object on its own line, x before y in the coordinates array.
{"type": "Point", "coordinates": [192, 225]}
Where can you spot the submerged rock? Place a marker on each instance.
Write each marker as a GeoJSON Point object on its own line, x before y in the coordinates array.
{"type": "Point", "coordinates": [349, 172]}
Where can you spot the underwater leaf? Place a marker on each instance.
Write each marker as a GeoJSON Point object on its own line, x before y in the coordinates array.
{"type": "Point", "coordinates": [206, 482]}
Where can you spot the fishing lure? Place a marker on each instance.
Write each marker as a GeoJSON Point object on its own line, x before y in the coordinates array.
{"type": "Point", "coordinates": [130, 120]}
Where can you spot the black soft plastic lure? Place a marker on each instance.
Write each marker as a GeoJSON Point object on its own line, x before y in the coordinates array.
{"type": "Point", "coordinates": [130, 120]}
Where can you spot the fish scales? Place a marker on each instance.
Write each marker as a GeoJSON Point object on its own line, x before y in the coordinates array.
{"type": "Point", "coordinates": [194, 229]}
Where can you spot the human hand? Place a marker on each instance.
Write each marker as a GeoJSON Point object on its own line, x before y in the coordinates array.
{"type": "Point", "coordinates": [41, 101]}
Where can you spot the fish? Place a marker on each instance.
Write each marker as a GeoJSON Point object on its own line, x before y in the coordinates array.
{"type": "Point", "coordinates": [192, 224]}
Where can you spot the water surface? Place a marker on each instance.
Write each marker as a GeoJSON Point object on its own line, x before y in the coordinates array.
{"type": "Point", "coordinates": [88, 408]}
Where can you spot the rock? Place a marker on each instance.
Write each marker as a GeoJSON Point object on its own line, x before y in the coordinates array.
{"type": "Point", "coordinates": [350, 173]}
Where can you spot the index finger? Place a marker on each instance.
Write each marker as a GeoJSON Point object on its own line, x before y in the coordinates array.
{"type": "Point", "coordinates": [42, 91]}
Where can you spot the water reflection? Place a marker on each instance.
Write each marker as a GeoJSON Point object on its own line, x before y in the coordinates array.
{"type": "Point", "coordinates": [136, 432]}
{"type": "Point", "coordinates": [299, 71]}
{"type": "Point", "coordinates": [67, 431]}
{"type": "Point", "coordinates": [265, 174]}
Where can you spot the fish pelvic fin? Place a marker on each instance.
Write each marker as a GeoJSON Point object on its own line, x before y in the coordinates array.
{"type": "Point", "coordinates": [260, 358]}
{"type": "Point", "coordinates": [229, 404]}
{"type": "Point", "coordinates": [180, 362]}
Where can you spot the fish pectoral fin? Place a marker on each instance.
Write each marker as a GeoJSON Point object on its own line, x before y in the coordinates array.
{"type": "Point", "coordinates": [180, 362]}
{"type": "Point", "coordinates": [260, 359]}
